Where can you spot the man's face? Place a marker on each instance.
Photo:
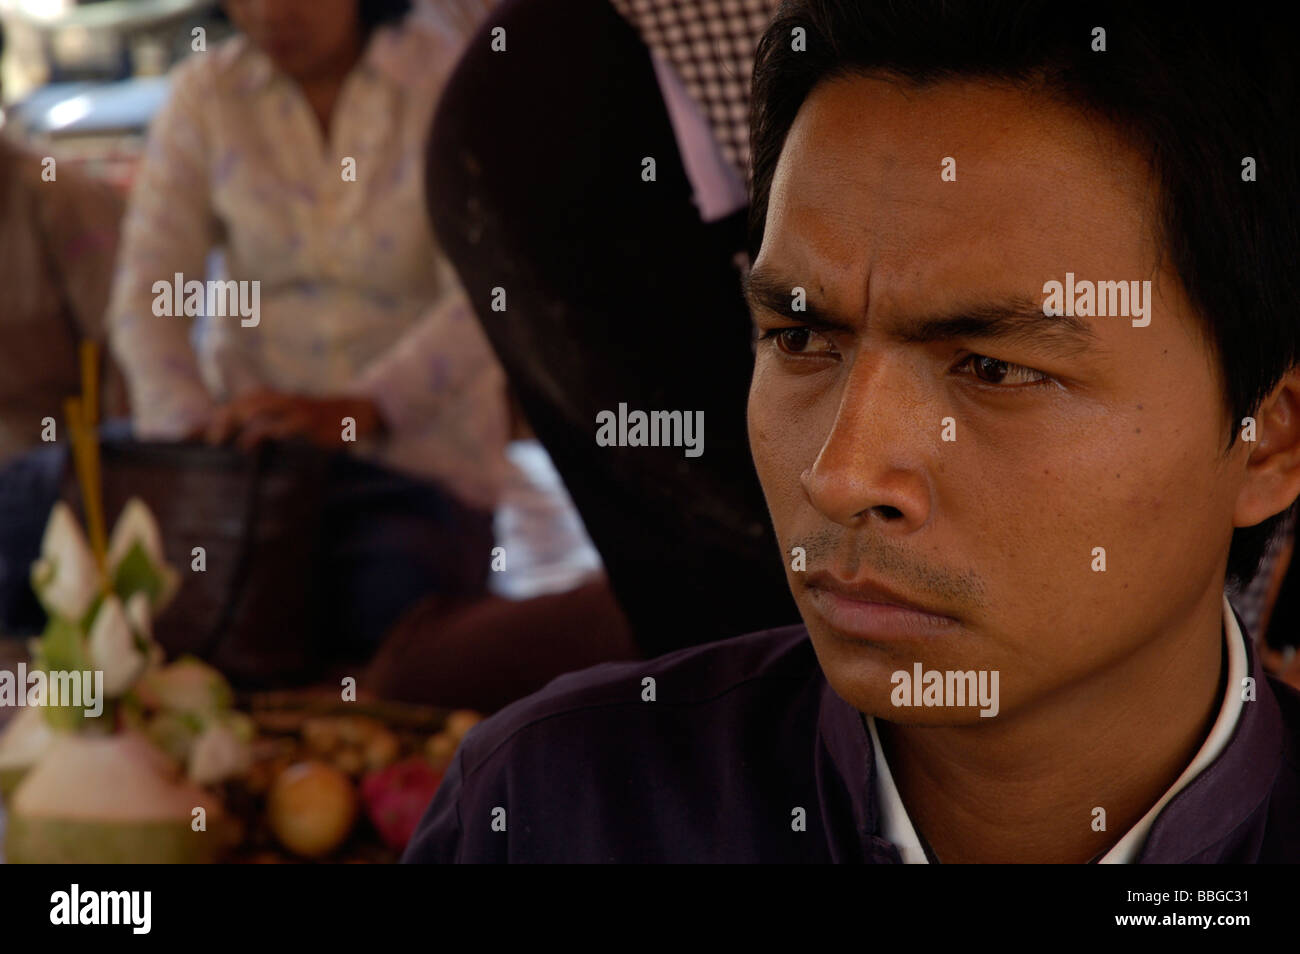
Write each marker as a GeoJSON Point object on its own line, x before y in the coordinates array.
{"type": "Point", "coordinates": [1060, 440]}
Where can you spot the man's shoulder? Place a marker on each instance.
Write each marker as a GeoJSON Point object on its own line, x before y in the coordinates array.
{"type": "Point", "coordinates": [681, 757]}
{"type": "Point", "coordinates": [714, 676]}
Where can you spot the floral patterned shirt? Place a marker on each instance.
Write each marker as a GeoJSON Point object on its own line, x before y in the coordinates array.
{"type": "Point", "coordinates": [355, 296]}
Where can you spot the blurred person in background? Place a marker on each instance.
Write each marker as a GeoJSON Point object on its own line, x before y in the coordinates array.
{"type": "Point", "coordinates": [58, 240]}
{"type": "Point", "coordinates": [623, 287]}
{"type": "Point", "coordinates": [550, 608]}
{"type": "Point", "coordinates": [597, 263]}
{"type": "Point", "coordinates": [295, 148]}
{"type": "Point", "coordinates": [1270, 603]}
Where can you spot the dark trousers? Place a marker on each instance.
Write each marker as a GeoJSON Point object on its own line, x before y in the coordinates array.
{"type": "Point", "coordinates": [389, 540]}
{"type": "Point", "coordinates": [29, 486]}
{"type": "Point", "coordinates": [616, 293]}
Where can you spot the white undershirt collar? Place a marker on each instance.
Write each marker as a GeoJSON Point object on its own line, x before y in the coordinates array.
{"type": "Point", "coordinates": [897, 827]}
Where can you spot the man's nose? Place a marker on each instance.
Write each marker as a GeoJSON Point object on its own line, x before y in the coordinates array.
{"type": "Point", "coordinates": [871, 466]}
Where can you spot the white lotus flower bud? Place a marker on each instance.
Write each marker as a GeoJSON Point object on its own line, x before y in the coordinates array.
{"type": "Point", "coordinates": [140, 615]}
{"type": "Point", "coordinates": [136, 526]}
{"type": "Point", "coordinates": [218, 754]}
{"type": "Point", "coordinates": [112, 648]}
{"type": "Point", "coordinates": [65, 577]}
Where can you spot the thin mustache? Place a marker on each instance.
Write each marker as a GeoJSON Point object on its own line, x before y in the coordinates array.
{"type": "Point", "coordinates": [829, 551]}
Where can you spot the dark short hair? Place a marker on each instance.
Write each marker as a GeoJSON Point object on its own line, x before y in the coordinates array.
{"type": "Point", "coordinates": [1196, 92]}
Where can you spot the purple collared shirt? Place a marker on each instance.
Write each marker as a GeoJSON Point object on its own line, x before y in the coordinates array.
{"type": "Point", "coordinates": [746, 754]}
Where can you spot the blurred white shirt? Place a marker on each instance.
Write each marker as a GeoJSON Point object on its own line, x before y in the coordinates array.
{"type": "Point", "coordinates": [547, 549]}
{"type": "Point", "coordinates": [356, 296]}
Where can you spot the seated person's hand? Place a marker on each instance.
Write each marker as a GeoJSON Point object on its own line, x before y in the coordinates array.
{"type": "Point", "coordinates": [274, 415]}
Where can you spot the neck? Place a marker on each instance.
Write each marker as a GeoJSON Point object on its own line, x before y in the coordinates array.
{"type": "Point", "coordinates": [1025, 787]}
{"type": "Point", "coordinates": [322, 86]}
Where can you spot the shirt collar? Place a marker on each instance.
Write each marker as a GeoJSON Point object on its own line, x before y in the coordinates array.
{"type": "Point", "coordinates": [896, 824]}
{"type": "Point", "coordinates": [1223, 786]}
{"type": "Point", "coordinates": [1125, 850]}
{"type": "Point", "coordinates": [845, 773]}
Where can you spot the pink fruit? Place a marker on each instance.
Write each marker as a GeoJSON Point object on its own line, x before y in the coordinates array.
{"type": "Point", "coordinates": [396, 797]}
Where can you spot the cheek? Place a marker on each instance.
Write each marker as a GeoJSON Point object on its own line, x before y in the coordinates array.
{"type": "Point", "coordinates": [784, 434]}
{"type": "Point", "coordinates": [1168, 511]}
{"type": "Point", "coordinates": [767, 438]}
{"type": "Point", "coordinates": [1156, 484]}
{"type": "Point", "coordinates": [1086, 524]}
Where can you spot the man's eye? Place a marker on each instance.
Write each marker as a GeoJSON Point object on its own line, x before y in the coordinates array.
{"type": "Point", "coordinates": [993, 371]}
{"type": "Point", "coordinates": [800, 341]}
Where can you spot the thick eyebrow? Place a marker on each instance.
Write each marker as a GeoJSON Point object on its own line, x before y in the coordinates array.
{"type": "Point", "coordinates": [1016, 319]}
{"type": "Point", "coordinates": [764, 290]}
{"type": "Point", "coordinates": [1019, 320]}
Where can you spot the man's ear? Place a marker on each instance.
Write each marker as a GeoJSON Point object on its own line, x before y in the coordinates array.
{"type": "Point", "coordinates": [1273, 468]}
